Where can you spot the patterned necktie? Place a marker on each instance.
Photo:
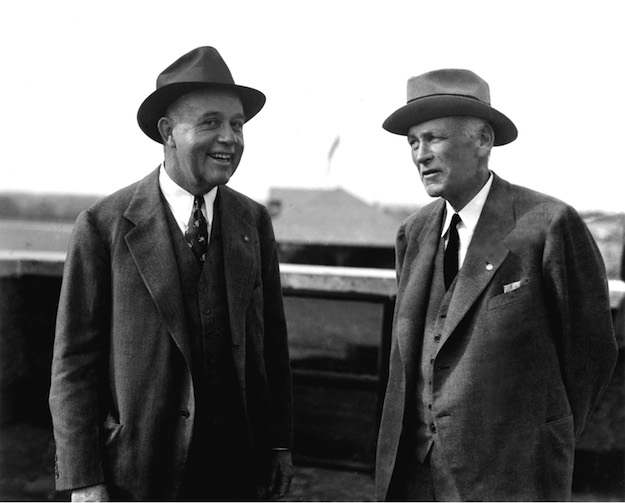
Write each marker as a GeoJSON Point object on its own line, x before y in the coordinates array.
{"type": "Point", "coordinates": [451, 252]}
{"type": "Point", "coordinates": [197, 230]}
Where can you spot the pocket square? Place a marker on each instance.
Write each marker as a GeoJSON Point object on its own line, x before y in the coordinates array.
{"type": "Point", "coordinates": [510, 287]}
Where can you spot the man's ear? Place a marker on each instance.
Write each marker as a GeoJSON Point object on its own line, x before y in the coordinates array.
{"type": "Point", "coordinates": [166, 130]}
{"type": "Point", "coordinates": [486, 139]}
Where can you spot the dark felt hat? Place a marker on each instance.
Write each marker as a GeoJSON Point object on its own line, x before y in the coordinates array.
{"type": "Point", "coordinates": [446, 93]}
{"type": "Point", "coordinates": [201, 68]}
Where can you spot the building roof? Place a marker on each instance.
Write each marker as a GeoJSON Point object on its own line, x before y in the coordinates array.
{"type": "Point", "coordinates": [329, 217]}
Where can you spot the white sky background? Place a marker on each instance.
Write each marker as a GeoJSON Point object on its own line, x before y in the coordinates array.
{"type": "Point", "coordinates": [75, 73]}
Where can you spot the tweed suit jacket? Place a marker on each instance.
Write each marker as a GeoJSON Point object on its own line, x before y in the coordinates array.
{"type": "Point", "coordinates": [122, 394]}
{"type": "Point", "coordinates": [519, 367]}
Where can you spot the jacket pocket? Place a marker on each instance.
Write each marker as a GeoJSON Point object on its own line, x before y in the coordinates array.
{"type": "Point", "coordinates": [112, 433]}
{"type": "Point", "coordinates": [559, 438]}
{"type": "Point", "coordinates": [554, 459]}
{"type": "Point", "coordinates": [118, 461]}
{"type": "Point", "coordinates": [505, 299]}
{"type": "Point", "coordinates": [556, 422]}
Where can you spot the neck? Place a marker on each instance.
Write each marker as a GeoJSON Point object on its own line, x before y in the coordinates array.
{"type": "Point", "coordinates": [177, 175]}
{"type": "Point", "coordinates": [459, 203]}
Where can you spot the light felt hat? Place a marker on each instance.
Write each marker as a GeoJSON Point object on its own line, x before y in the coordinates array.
{"type": "Point", "coordinates": [201, 68]}
{"type": "Point", "coordinates": [446, 93]}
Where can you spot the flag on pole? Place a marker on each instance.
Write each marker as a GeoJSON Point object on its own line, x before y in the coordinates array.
{"type": "Point", "coordinates": [331, 152]}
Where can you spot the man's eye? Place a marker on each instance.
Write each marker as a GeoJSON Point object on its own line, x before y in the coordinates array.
{"type": "Point", "coordinates": [237, 125]}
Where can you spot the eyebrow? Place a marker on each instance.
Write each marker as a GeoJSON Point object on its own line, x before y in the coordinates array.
{"type": "Point", "coordinates": [424, 134]}
{"type": "Point", "coordinates": [206, 115]}
{"type": "Point", "coordinates": [412, 136]}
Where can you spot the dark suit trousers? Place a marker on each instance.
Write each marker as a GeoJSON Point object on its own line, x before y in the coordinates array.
{"type": "Point", "coordinates": [427, 481]}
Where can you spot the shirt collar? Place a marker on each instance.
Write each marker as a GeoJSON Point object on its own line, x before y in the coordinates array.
{"type": "Point", "coordinates": [470, 214]}
{"type": "Point", "coordinates": [181, 202]}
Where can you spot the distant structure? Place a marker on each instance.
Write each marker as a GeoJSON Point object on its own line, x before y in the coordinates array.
{"type": "Point", "coordinates": [332, 227]}
{"type": "Point", "coordinates": [45, 207]}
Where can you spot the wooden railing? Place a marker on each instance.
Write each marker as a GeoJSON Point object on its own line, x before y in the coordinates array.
{"type": "Point", "coordinates": [358, 280]}
{"type": "Point", "coordinates": [339, 334]}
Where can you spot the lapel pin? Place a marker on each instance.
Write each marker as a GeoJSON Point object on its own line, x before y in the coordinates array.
{"type": "Point", "coordinates": [245, 238]}
{"type": "Point", "coordinates": [489, 267]}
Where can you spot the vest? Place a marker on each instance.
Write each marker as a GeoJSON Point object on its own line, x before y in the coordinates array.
{"type": "Point", "coordinates": [219, 429]}
{"type": "Point", "coordinates": [436, 315]}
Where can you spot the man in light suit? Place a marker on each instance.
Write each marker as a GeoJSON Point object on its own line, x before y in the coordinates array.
{"type": "Point", "coordinates": [171, 375]}
{"type": "Point", "coordinates": [502, 337]}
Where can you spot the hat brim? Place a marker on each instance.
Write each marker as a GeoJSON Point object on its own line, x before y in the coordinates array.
{"type": "Point", "coordinates": [155, 106]}
{"type": "Point", "coordinates": [435, 107]}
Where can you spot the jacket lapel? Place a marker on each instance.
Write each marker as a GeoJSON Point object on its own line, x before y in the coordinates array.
{"type": "Point", "coordinates": [417, 289]}
{"type": "Point", "coordinates": [150, 245]}
{"type": "Point", "coordinates": [237, 234]}
{"type": "Point", "coordinates": [486, 253]}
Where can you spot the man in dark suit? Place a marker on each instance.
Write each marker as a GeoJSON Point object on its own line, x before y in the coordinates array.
{"type": "Point", "coordinates": [171, 375]}
{"type": "Point", "coordinates": [502, 337]}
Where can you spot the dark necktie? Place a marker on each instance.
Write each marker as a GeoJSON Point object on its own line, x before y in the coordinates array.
{"type": "Point", "coordinates": [197, 230]}
{"type": "Point", "coordinates": [451, 252]}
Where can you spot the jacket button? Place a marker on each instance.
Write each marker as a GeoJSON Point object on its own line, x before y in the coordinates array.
{"type": "Point", "coordinates": [203, 288]}
{"type": "Point", "coordinates": [433, 428]}
{"type": "Point", "coordinates": [206, 311]}
{"type": "Point", "coordinates": [185, 413]}
{"type": "Point", "coordinates": [437, 338]}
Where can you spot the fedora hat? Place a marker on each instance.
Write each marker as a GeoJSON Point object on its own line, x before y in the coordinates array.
{"type": "Point", "coordinates": [446, 93]}
{"type": "Point", "coordinates": [201, 68]}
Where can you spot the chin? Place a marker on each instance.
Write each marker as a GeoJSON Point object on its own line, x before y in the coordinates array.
{"type": "Point", "coordinates": [215, 176]}
{"type": "Point", "coordinates": [434, 191]}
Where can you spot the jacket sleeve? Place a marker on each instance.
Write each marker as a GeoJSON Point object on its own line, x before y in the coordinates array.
{"type": "Point", "coordinates": [575, 278]}
{"type": "Point", "coordinates": [276, 351]}
{"type": "Point", "coordinates": [80, 358]}
{"type": "Point", "coordinates": [400, 249]}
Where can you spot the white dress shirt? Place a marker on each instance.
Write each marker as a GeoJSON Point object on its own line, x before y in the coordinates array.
{"type": "Point", "coordinates": [181, 202]}
{"type": "Point", "coordinates": [469, 215]}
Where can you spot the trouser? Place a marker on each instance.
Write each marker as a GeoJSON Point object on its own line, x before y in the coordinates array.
{"type": "Point", "coordinates": [429, 480]}
{"type": "Point", "coordinates": [218, 465]}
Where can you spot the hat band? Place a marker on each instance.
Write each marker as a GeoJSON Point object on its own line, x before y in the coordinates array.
{"type": "Point", "coordinates": [450, 95]}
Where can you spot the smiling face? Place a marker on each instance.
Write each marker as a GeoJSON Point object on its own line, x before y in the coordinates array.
{"type": "Point", "coordinates": [452, 156]}
{"type": "Point", "coordinates": [203, 138]}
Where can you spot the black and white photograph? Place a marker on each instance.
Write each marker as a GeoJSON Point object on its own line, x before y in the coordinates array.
{"type": "Point", "coordinates": [312, 251]}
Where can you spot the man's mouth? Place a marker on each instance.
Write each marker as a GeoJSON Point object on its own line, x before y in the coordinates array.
{"type": "Point", "coordinates": [221, 157]}
{"type": "Point", "coordinates": [427, 172]}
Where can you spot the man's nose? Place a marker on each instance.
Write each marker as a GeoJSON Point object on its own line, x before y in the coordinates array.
{"type": "Point", "coordinates": [423, 154]}
{"type": "Point", "coordinates": [227, 134]}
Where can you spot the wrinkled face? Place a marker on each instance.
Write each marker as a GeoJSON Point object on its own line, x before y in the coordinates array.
{"type": "Point", "coordinates": [203, 139]}
{"type": "Point", "coordinates": [452, 162]}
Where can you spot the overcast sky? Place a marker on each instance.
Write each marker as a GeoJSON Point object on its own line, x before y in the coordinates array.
{"type": "Point", "coordinates": [75, 73]}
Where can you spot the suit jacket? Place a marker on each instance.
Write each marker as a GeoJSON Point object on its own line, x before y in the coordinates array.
{"type": "Point", "coordinates": [122, 395]}
{"type": "Point", "coordinates": [516, 372]}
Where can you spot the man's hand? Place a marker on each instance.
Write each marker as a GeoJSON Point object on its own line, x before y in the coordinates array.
{"type": "Point", "coordinates": [281, 474]}
{"type": "Point", "coordinates": [92, 493]}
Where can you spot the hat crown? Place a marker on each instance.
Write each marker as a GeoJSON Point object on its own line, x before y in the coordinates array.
{"type": "Point", "coordinates": [203, 64]}
{"type": "Point", "coordinates": [201, 68]}
{"type": "Point", "coordinates": [447, 93]}
{"type": "Point", "coordinates": [448, 81]}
